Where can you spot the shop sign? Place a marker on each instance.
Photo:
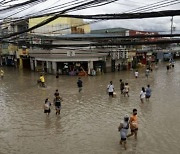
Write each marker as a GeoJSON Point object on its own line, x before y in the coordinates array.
{"type": "Point", "coordinates": [70, 53]}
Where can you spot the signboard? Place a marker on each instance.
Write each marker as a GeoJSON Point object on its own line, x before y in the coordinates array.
{"type": "Point", "coordinates": [70, 53]}
{"type": "Point", "coordinates": [134, 33]}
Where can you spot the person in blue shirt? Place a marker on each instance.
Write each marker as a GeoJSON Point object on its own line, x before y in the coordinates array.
{"type": "Point", "coordinates": [148, 92]}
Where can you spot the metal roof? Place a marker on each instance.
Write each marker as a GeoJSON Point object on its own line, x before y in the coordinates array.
{"type": "Point", "coordinates": [74, 36]}
{"type": "Point", "coordinates": [109, 30]}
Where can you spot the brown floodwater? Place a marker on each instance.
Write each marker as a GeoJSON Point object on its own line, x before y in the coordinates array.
{"type": "Point", "coordinates": [88, 122]}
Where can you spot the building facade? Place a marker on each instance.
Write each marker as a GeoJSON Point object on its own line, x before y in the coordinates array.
{"type": "Point", "coordinates": [70, 61]}
{"type": "Point", "coordinates": [13, 54]}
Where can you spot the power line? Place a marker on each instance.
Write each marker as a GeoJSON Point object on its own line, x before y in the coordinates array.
{"type": "Point", "coordinates": [104, 37]}
{"type": "Point", "coordinates": [21, 4]}
{"type": "Point", "coordinates": [83, 24]}
{"type": "Point", "coordinates": [56, 6]}
{"type": "Point", "coordinates": [121, 16]}
{"type": "Point", "coordinates": [62, 6]}
{"type": "Point", "coordinates": [127, 15]}
{"type": "Point", "coordinates": [95, 4]}
{"type": "Point", "coordinates": [150, 6]}
{"type": "Point", "coordinates": [103, 20]}
{"type": "Point", "coordinates": [52, 18]}
{"type": "Point", "coordinates": [109, 44]}
{"type": "Point", "coordinates": [25, 17]}
{"type": "Point", "coordinates": [24, 8]}
{"type": "Point", "coordinates": [135, 9]}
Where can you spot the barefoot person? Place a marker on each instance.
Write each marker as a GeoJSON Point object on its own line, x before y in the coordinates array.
{"type": "Point", "coordinates": [147, 72]}
{"type": "Point", "coordinates": [56, 93]}
{"type": "Point", "coordinates": [121, 86]}
{"type": "Point", "coordinates": [126, 90]}
{"type": "Point", "coordinates": [42, 80]}
{"type": "Point", "coordinates": [110, 89]}
{"type": "Point", "coordinates": [57, 103]}
{"type": "Point", "coordinates": [136, 73]}
{"type": "Point", "coordinates": [2, 74]}
{"type": "Point", "coordinates": [148, 92]}
{"type": "Point", "coordinates": [123, 128]}
{"type": "Point", "coordinates": [142, 95]}
{"type": "Point", "coordinates": [133, 124]}
{"type": "Point", "coordinates": [47, 105]}
{"type": "Point", "coordinates": [80, 84]}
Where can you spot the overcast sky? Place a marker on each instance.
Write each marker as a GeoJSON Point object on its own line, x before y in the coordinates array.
{"type": "Point", "coordinates": [121, 6]}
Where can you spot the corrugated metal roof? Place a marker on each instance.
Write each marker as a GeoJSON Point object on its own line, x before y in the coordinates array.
{"type": "Point", "coordinates": [73, 36]}
{"type": "Point", "coordinates": [109, 30]}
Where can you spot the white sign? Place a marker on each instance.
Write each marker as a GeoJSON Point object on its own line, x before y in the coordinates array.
{"type": "Point", "coordinates": [70, 53]}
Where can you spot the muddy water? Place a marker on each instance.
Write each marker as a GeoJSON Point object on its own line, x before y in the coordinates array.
{"type": "Point", "coordinates": [88, 121]}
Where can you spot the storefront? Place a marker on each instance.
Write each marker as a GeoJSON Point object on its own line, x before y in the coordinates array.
{"type": "Point", "coordinates": [72, 68]}
{"type": "Point", "coordinates": [150, 58]}
{"type": "Point", "coordinates": [131, 59]}
{"type": "Point", "coordinates": [141, 57]}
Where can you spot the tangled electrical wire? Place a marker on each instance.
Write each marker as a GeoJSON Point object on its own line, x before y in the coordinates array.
{"type": "Point", "coordinates": [75, 5]}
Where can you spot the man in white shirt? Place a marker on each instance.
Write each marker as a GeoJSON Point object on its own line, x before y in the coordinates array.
{"type": "Point", "coordinates": [110, 89]}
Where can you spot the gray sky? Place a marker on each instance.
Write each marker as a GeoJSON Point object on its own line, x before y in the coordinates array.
{"type": "Point", "coordinates": [121, 6]}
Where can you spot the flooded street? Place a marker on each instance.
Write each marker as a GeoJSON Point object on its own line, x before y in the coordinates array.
{"type": "Point", "coordinates": [89, 121]}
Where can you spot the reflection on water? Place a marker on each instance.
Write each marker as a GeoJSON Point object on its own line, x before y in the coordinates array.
{"type": "Point", "coordinates": [89, 120]}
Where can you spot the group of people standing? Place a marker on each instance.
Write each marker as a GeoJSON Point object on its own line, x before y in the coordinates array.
{"type": "Point", "coordinates": [124, 87]}
{"type": "Point", "coordinates": [57, 103]}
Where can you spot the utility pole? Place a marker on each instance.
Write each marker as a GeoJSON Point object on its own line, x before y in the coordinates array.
{"type": "Point", "coordinates": [171, 24]}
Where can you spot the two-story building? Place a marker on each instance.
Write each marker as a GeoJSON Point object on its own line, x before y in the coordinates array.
{"type": "Point", "coordinates": [63, 60]}
{"type": "Point", "coordinates": [13, 54]}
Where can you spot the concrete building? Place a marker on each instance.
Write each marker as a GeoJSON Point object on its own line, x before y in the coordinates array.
{"type": "Point", "coordinates": [43, 56]}
{"type": "Point", "coordinates": [130, 55]}
{"type": "Point", "coordinates": [12, 54]}
{"type": "Point", "coordinates": [60, 26]}
{"type": "Point", "coordinates": [63, 60]}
